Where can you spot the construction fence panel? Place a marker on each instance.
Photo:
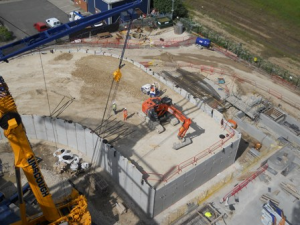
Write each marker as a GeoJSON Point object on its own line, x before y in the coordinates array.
{"type": "Point", "coordinates": [193, 177]}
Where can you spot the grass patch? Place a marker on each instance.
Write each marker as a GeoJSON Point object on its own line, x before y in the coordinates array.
{"type": "Point", "coordinates": [5, 35]}
{"type": "Point", "coordinates": [288, 10]}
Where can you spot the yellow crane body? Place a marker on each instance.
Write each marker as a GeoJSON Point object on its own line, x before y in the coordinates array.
{"type": "Point", "coordinates": [76, 204]}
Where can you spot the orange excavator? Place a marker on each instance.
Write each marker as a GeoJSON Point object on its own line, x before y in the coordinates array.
{"type": "Point", "coordinates": [159, 109]}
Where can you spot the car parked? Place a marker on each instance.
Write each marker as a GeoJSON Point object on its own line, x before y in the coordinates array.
{"type": "Point", "coordinates": [53, 22]}
{"type": "Point", "coordinates": [40, 26]}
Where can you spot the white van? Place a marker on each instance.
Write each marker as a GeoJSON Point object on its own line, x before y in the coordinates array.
{"type": "Point", "coordinates": [75, 15]}
{"type": "Point", "coordinates": [53, 22]}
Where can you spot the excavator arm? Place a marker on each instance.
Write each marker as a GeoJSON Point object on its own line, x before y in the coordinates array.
{"type": "Point", "coordinates": [186, 122]}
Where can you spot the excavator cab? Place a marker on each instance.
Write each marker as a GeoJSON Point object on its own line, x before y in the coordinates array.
{"type": "Point", "coordinates": [152, 115]}
{"type": "Point", "coordinates": [166, 100]}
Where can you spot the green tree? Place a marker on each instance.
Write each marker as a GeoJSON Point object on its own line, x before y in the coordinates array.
{"type": "Point", "coordinates": [5, 35]}
{"type": "Point", "coordinates": [165, 6]}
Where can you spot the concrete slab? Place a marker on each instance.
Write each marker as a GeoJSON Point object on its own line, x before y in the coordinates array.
{"type": "Point", "coordinates": [154, 152]}
{"type": "Point", "coordinates": [248, 208]}
{"type": "Point", "coordinates": [66, 6]}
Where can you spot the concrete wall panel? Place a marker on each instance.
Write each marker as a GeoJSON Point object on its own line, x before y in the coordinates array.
{"type": "Point", "coordinates": [2, 137]}
{"type": "Point", "coordinates": [28, 123]}
{"type": "Point", "coordinates": [279, 129]}
{"type": "Point", "coordinates": [61, 131]}
{"type": "Point", "coordinates": [40, 129]}
{"type": "Point", "coordinates": [51, 133]}
{"type": "Point", "coordinates": [89, 147]}
{"type": "Point", "coordinates": [102, 156]}
{"type": "Point", "coordinates": [80, 140]}
{"type": "Point", "coordinates": [254, 132]}
{"type": "Point", "coordinates": [122, 172]}
{"type": "Point", "coordinates": [292, 120]}
{"type": "Point", "coordinates": [71, 135]}
{"type": "Point", "coordinates": [99, 155]}
{"type": "Point", "coordinates": [194, 177]}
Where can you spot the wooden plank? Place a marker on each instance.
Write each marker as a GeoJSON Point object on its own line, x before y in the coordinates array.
{"type": "Point", "coordinates": [288, 189]}
{"type": "Point", "coordinates": [266, 198]}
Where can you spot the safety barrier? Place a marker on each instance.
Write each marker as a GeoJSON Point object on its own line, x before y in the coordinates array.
{"type": "Point", "coordinates": [240, 186]}
{"type": "Point", "coordinates": [229, 54]}
{"type": "Point", "coordinates": [281, 81]}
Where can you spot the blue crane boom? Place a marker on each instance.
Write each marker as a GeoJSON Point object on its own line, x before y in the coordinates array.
{"type": "Point", "coordinates": [78, 14]}
{"type": "Point", "coordinates": [31, 42]}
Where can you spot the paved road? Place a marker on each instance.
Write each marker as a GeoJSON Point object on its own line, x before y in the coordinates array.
{"type": "Point", "coordinates": [20, 15]}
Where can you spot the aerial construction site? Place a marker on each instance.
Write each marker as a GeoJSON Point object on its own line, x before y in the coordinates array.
{"type": "Point", "coordinates": [206, 139]}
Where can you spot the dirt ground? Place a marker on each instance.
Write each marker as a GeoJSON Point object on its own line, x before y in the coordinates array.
{"type": "Point", "coordinates": [260, 32]}
{"type": "Point", "coordinates": [40, 82]}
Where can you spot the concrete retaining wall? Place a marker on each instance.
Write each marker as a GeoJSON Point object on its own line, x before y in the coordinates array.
{"type": "Point", "coordinates": [104, 155]}
{"type": "Point", "coordinates": [122, 171]}
{"type": "Point", "coordinates": [279, 129]}
{"type": "Point", "coordinates": [253, 131]}
{"type": "Point", "coordinates": [195, 177]}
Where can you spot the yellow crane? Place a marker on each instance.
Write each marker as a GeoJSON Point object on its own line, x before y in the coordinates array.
{"type": "Point", "coordinates": [72, 209]}
{"type": "Point", "coordinates": [75, 205]}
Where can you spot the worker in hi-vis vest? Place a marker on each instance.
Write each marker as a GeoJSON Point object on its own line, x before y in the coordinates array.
{"type": "Point", "coordinates": [114, 107]}
{"type": "Point", "coordinates": [125, 114]}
